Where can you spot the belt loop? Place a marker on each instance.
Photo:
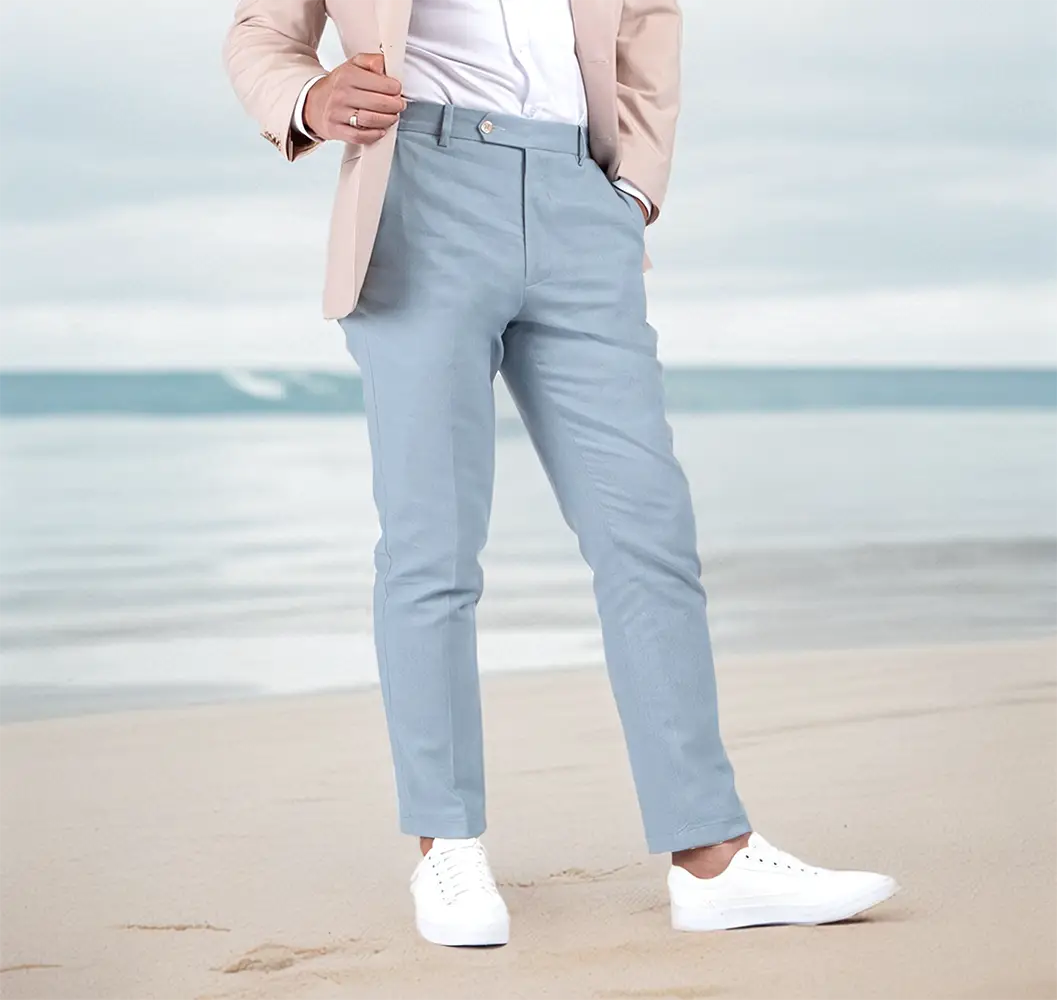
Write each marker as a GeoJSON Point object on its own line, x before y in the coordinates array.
{"type": "Point", "coordinates": [445, 125]}
{"type": "Point", "coordinates": [581, 144]}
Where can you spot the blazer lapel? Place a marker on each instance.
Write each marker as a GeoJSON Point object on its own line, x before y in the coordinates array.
{"type": "Point", "coordinates": [393, 19]}
{"type": "Point", "coordinates": [591, 24]}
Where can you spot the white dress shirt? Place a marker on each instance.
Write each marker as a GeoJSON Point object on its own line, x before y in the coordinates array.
{"type": "Point", "coordinates": [514, 57]}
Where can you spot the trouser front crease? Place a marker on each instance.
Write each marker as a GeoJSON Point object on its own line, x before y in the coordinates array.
{"type": "Point", "coordinates": [501, 256]}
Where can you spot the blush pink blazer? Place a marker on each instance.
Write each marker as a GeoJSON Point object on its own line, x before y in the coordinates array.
{"type": "Point", "coordinates": [629, 56]}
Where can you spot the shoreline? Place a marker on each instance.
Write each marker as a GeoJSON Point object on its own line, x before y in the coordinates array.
{"type": "Point", "coordinates": [25, 703]}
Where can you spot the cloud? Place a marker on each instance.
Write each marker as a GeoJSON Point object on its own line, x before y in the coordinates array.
{"type": "Point", "coordinates": [204, 248]}
{"type": "Point", "coordinates": [978, 326]}
{"type": "Point", "coordinates": [837, 158]}
{"type": "Point", "coordinates": [938, 326]}
{"type": "Point", "coordinates": [173, 334]}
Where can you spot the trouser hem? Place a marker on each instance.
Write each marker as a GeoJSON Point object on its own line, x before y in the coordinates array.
{"type": "Point", "coordinates": [458, 828]}
{"type": "Point", "coordinates": [700, 836]}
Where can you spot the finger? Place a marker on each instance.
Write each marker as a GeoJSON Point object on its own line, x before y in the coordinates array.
{"type": "Point", "coordinates": [372, 119]}
{"type": "Point", "coordinates": [373, 62]}
{"type": "Point", "coordinates": [373, 82]}
{"type": "Point", "coordinates": [366, 100]}
{"type": "Point", "coordinates": [359, 136]}
{"type": "Point", "coordinates": [368, 79]}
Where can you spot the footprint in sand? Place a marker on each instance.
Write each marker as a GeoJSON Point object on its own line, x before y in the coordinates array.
{"type": "Point", "coordinates": [660, 993]}
{"type": "Point", "coordinates": [273, 957]}
{"type": "Point", "coordinates": [28, 967]}
{"type": "Point", "coordinates": [567, 875]}
{"type": "Point", "coordinates": [174, 927]}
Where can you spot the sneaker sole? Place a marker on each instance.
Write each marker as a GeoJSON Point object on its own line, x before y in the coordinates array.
{"type": "Point", "coordinates": [731, 917]}
{"type": "Point", "coordinates": [464, 937]}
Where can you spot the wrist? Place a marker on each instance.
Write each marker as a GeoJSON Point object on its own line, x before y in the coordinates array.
{"type": "Point", "coordinates": [312, 108]}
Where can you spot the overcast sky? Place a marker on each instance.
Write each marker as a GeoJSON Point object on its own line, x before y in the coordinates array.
{"type": "Point", "coordinates": [856, 181]}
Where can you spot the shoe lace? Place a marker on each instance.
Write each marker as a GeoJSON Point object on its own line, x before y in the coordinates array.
{"type": "Point", "coordinates": [461, 869]}
{"type": "Point", "coordinates": [766, 854]}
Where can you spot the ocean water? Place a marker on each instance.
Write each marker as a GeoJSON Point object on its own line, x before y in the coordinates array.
{"type": "Point", "coordinates": [146, 559]}
{"type": "Point", "coordinates": [702, 390]}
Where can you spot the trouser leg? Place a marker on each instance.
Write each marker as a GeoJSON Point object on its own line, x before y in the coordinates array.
{"type": "Point", "coordinates": [581, 364]}
{"type": "Point", "coordinates": [445, 276]}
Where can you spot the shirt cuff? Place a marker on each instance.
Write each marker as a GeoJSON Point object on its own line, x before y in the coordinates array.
{"type": "Point", "coordinates": [628, 188]}
{"type": "Point", "coordinates": [299, 109]}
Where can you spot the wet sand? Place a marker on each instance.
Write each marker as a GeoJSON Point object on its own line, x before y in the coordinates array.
{"type": "Point", "coordinates": [249, 849]}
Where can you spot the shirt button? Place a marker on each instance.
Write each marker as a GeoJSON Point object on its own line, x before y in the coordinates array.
{"type": "Point", "coordinates": [486, 126]}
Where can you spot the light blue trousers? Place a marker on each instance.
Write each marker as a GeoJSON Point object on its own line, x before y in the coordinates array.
{"type": "Point", "coordinates": [504, 249]}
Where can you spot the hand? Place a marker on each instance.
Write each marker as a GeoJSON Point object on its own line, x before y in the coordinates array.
{"type": "Point", "coordinates": [357, 87]}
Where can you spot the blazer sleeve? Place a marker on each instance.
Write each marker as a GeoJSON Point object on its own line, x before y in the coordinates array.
{"type": "Point", "coordinates": [270, 54]}
{"type": "Point", "coordinates": [648, 52]}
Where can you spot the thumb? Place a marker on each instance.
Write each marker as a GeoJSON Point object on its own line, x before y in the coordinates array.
{"type": "Point", "coordinates": [373, 62]}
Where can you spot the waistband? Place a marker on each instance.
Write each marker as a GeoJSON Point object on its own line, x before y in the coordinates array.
{"type": "Point", "coordinates": [446, 122]}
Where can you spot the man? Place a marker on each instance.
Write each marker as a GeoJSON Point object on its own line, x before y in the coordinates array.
{"type": "Point", "coordinates": [502, 158]}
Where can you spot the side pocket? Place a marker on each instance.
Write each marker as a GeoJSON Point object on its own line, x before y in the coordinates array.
{"type": "Point", "coordinates": [631, 203]}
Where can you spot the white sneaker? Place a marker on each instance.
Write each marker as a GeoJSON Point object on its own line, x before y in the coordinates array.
{"type": "Point", "coordinates": [763, 885]}
{"type": "Point", "coordinates": [456, 901]}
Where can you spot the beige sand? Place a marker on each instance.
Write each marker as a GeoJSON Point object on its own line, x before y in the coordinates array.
{"type": "Point", "coordinates": [249, 850]}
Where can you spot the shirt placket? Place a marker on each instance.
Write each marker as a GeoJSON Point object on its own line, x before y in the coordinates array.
{"type": "Point", "coordinates": [519, 35]}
